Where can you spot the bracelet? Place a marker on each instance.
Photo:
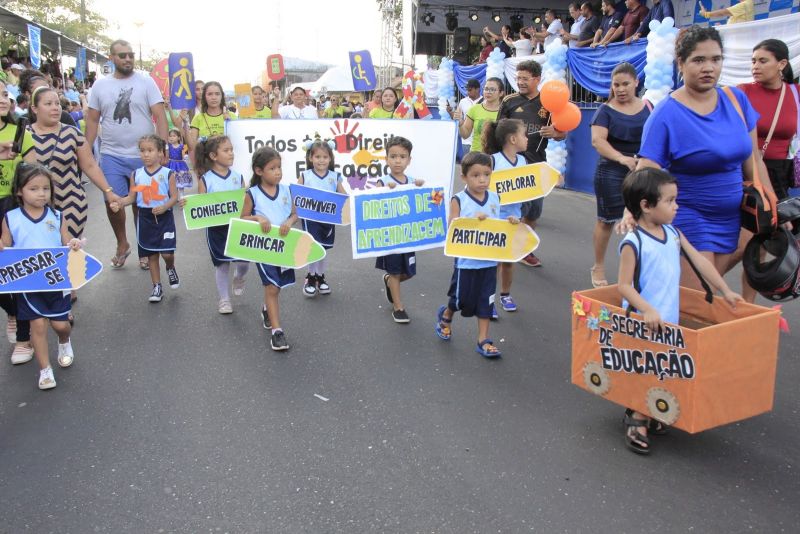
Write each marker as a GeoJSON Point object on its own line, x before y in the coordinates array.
{"type": "Point", "coordinates": [108, 190]}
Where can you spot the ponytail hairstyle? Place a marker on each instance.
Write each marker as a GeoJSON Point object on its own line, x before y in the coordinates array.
{"type": "Point", "coordinates": [319, 144]}
{"type": "Point", "coordinates": [496, 134]}
{"type": "Point", "coordinates": [261, 157]}
{"type": "Point", "coordinates": [781, 52]}
{"type": "Point", "coordinates": [36, 97]}
{"type": "Point", "coordinates": [203, 150]}
{"type": "Point", "coordinates": [622, 68]}
{"type": "Point", "coordinates": [160, 144]}
{"type": "Point", "coordinates": [25, 173]}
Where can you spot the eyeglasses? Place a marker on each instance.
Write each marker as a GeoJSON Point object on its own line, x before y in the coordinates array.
{"type": "Point", "coordinates": [123, 55]}
{"type": "Point", "coordinates": [489, 89]}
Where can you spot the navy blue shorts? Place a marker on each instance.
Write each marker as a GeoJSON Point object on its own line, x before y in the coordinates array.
{"type": "Point", "coordinates": [53, 305]}
{"type": "Point", "coordinates": [118, 170]}
{"type": "Point", "coordinates": [155, 234]}
{"type": "Point", "coordinates": [216, 236]}
{"type": "Point", "coordinates": [324, 234]}
{"type": "Point", "coordinates": [472, 291]}
{"type": "Point", "coordinates": [398, 264]}
{"type": "Point", "coordinates": [532, 209]}
{"type": "Point", "coordinates": [275, 276]}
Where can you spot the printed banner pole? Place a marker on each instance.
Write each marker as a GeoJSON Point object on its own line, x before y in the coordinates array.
{"type": "Point", "coordinates": [35, 46]}
{"type": "Point", "coordinates": [320, 206]}
{"type": "Point", "coordinates": [520, 184]}
{"type": "Point", "coordinates": [393, 221]}
{"type": "Point", "coordinates": [181, 85]}
{"type": "Point", "coordinates": [247, 242]}
{"type": "Point", "coordinates": [362, 71]}
{"type": "Point", "coordinates": [212, 209]}
{"type": "Point", "coordinates": [32, 270]}
{"type": "Point", "coordinates": [489, 239]}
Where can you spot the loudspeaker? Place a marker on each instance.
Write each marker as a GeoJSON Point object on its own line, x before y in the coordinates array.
{"type": "Point", "coordinates": [461, 40]}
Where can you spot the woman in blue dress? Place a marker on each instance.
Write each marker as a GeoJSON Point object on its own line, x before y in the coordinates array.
{"type": "Point", "coordinates": [698, 135]}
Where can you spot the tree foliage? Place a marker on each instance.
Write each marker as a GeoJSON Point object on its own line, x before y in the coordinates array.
{"type": "Point", "coordinates": [65, 16]}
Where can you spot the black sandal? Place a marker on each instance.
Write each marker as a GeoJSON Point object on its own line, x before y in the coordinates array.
{"type": "Point", "coordinates": [657, 428]}
{"type": "Point", "coordinates": [634, 441]}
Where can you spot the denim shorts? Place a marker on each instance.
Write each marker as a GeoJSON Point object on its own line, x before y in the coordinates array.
{"type": "Point", "coordinates": [118, 170]}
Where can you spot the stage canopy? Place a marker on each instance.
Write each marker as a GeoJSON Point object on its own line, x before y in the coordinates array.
{"type": "Point", "coordinates": [485, 10]}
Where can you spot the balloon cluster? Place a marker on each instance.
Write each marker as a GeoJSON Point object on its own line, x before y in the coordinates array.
{"type": "Point", "coordinates": [495, 64]}
{"type": "Point", "coordinates": [554, 68]}
{"type": "Point", "coordinates": [555, 61]}
{"type": "Point", "coordinates": [660, 59]}
{"type": "Point", "coordinates": [447, 91]}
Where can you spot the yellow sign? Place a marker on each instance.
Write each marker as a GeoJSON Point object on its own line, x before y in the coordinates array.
{"type": "Point", "coordinates": [521, 184]}
{"type": "Point", "coordinates": [244, 100]}
{"type": "Point", "coordinates": [489, 239]}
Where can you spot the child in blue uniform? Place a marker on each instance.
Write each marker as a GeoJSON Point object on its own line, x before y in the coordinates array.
{"type": "Point", "coordinates": [472, 287]}
{"type": "Point", "coordinates": [320, 174]}
{"type": "Point", "coordinates": [655, 247]}
{"type": "Point", "coordinates": [35, 224]}
{"type": "Point", "coordinates": [506, 140]}
{"type": "Point", "coordinates": [154, 190]}
{"type": "Point", "coordinates": [269, 202]}
{"type": "Point", "coordinates": [398, 267]}
{"type": "Point", "coordinates": [216, 154]}
{"type": "Point", "coordinates": [177, 151]}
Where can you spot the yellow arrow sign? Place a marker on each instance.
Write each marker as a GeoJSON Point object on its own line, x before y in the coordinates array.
{"type": "Point", "coordinates": [521, 184]}
{"type": "Point", "coordinates": [489, 239]}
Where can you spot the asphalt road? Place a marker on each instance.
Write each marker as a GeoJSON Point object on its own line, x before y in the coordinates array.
{"type": "Point", "coordinates": [177, 419]}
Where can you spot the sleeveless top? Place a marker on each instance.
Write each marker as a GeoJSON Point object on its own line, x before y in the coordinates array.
{"type": "Point", "coordinates": [276, 208]}
{"type": "Point", "coordinates": [216, 183]}
{"type": "Point", "coordinates": [470, 207]}
{"type": "Point", "coordinates": [659, 270]}
{"type": "Point", "coordinates": [157, 184]}
{"type": "Point", "coordinates": [328, 182]}
{"type": "Point", "coordinates": [44, 232]}
{"type": "Point", "coordinates": [500, 163]}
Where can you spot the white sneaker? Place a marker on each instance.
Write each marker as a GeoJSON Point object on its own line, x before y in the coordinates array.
{"type": "Point", "coordinates": [21, 354]}
{"type": "Point", "coordinates": [11, 330]}
{"type": "Point", "coordinates": [238, 286]}
{"type": "Point", "coordinates": [46, 378]}
{"type": "Point", "coordinates": [65, 355]}
{"type": "Point", "coordinates": [225, 307]}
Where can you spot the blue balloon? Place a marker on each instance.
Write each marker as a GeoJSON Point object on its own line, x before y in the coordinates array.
{"type": "Point", "coordinates": [654, 24]}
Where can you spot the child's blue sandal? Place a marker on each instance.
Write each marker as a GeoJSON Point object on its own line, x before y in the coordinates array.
{"type": "Point", "coordinates": [489, 351]}
{"type": "Point", "coordinates": [443, 325]}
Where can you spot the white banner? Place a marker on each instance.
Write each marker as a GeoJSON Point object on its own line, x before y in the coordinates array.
{"type": "Point", "coordinates": [360, 153]}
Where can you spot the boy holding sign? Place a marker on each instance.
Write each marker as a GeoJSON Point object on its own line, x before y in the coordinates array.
{"type": "Point", "coordinates": [398, 267]}
{"type": "Point", "coordinates": [472, 287]}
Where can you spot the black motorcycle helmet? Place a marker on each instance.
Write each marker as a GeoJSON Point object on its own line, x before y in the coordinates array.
{"type": "Point", "coordinates": [777, 277]}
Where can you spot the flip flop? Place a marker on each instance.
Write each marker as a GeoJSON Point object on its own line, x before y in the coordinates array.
{"type": "Point", "coordinates": [443, 332]}
{"type": "Point", "coordinates": [487, 352]}
{"type": "Point", "coordinates": [388, 291]}
{"type": "Point", "coordinates": [118, 262]}
{"type": "Point", "coordinates": [144, 265]}
{"type": "Point", "coordinates": [597, 282]}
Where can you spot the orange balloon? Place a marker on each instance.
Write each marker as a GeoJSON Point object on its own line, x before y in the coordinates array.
{"type": "Point", "coordinates": [568, 118]}
{"type": "Point", "coordinates": [554, 95]}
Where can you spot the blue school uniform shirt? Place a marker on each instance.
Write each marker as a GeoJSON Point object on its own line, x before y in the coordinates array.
{"type": "Point", "coordinates": [384, 180]}
{"type": "Point", "coordinates": [276, 208]}
{"type": "Point", "coordinates": [26, 232]}
{"type": "Point", "coordinates": [328, 182]}
{"type": "Point", "coordinates": [659, 271]}
{"type": "Point", "coordinates": [215, 183]}
{"type": "Point", "coordinates": [470, 207]}
{"type": "Point", "coordinates": [500, 163]}
{"type": "Point", "coordinates": [160, 177]}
